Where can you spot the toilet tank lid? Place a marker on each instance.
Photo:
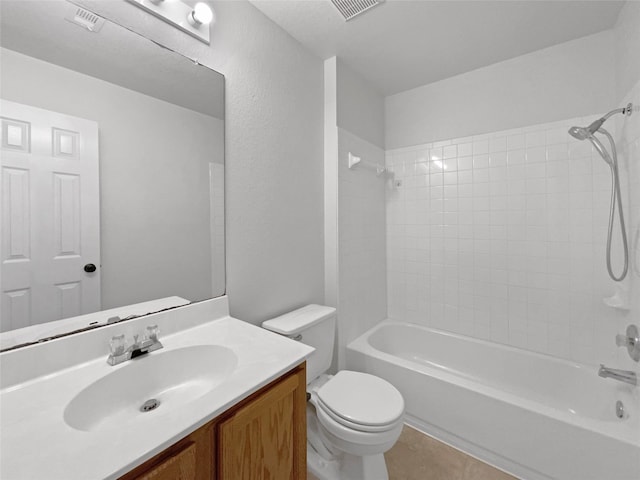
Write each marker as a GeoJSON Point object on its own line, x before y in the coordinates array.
{"type": "Point", "coordinates": [294, 322]}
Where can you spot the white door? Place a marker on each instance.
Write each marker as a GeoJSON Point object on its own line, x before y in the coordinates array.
{"type": "Point", "coordinates": [50, 216]}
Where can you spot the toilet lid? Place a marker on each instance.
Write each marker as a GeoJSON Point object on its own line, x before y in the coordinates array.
{"type": "Point", "coordinates": [362, 399]}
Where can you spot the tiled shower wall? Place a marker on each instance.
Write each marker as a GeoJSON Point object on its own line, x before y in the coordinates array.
{"type": "Point", "coordinates": [502, 237]}
{"type": "Point", "coordinates": [629, 143]}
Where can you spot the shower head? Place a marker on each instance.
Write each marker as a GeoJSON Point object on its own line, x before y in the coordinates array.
{"type": "Point", "coordinates": [582, 133]}
{"type": "Point", "coordinates": [579, 133]}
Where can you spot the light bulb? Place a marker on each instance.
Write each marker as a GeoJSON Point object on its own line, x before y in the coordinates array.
{"type": "Point", "coordinates": [201, 15]}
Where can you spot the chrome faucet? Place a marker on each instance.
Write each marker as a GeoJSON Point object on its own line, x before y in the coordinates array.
{"type": "Point", "coordinates": [120, 353]}
{"type": "Point", "coordinates": [626, 376]}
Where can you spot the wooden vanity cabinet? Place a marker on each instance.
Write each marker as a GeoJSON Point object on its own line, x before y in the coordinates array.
{"type": "Point", "coordinates": [192, 458]}
{"type": "Point", "coordinates": [263, 437]}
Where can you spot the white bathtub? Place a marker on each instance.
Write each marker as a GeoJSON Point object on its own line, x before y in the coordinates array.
{"type": "Point", "coordinates": [534, 416]}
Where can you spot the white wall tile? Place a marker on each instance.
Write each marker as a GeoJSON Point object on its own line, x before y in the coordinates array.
{"type": "Point", "coordinates": [513, 231]}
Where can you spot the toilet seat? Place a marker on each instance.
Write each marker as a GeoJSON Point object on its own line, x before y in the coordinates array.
{"type": "Point", "coordinates": [351, 425]}
{"type": "Point", "coordinates": [360, 401]}
{"type": "Point", "coordinates": [356, 441]}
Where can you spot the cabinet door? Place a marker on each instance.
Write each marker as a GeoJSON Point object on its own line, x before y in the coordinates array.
{"type": "Point", "coordinates": [192, 458]}
{"type": "Point", "coordinates": [266, 438]}
{"type": "Point", "coordinates": [180, 466]}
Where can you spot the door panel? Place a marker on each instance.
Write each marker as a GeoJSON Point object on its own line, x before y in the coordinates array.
{"type": "Point", "coordinates": [50, 216]}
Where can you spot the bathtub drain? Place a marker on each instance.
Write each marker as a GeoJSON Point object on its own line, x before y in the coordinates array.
{"type": "Point", "coordinates": [619, 409]}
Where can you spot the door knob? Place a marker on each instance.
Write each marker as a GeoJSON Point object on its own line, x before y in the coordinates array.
{"type": "Point", "coordinates": [89, 268]}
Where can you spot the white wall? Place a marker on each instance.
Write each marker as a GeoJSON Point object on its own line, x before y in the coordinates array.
{"type": "Point", "coordinates": [149, 191]}
{"type": "Point", "coordinates": [331, 285]}
{"type": "Point", "coordinates": [571, 79]}
{"type": "Point", "coordinates": [217, 208]}
{"type": "Point", "coordinates": [360, 108]}
{"type": "Point", "coordinates": [354, 201]}
{"type": "Point", "coordinates": [274, 179]}
{"type": "Point", "coordinates": [361, 241]}
{"type": "Point", "coordinates": [627, 48]}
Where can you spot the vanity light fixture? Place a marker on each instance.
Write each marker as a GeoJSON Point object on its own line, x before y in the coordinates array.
{"type": "Point", "coordinates": [200, 15]}
{"type": "Point", "coordinates": [192, 20]}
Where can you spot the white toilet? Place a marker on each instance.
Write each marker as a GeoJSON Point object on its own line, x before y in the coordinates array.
{"type": "Point", "coordinates": [353, 417]}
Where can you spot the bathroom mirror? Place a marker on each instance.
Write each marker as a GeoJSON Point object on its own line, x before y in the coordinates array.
{"type": "Point", "coordinates": [112, 173]}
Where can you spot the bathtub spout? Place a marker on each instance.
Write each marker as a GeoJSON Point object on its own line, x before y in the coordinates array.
{"type": "Point", "coordinates": [626, 376]}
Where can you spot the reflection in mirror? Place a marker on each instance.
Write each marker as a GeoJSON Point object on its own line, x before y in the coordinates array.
{"type": "Point", "coordinates": [112, 174]}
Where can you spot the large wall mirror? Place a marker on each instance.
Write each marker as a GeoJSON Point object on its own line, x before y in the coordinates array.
{"type": "Point", "coordinates": [112, 174]}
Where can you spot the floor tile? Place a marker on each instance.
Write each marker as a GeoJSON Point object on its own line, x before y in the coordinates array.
{"type": "Point", "coordinates": [419, 457]}
{"type": "Point", "coordinates": [477, 470]}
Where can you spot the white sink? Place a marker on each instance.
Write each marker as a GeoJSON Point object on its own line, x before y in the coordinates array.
{"type": "Point", "coordinates": [173, 378]}
{"type": "Point", "coordinates": [82, 417]}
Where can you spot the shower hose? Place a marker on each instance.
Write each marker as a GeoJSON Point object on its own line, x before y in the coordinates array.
{"type": "Point", "coordinates": [616, 202]}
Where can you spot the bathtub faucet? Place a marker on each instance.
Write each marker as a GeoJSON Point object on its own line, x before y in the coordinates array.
{"type": "Point", "coordinates": [626, 376]}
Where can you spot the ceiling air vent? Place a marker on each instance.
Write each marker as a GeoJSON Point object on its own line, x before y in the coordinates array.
{"type": "Point", "coordinates": [84, 18]}
{"type": "Point", "coordinates": [352, 8]}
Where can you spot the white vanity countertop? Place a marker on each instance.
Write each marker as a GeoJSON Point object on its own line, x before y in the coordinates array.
{"type": "Point", "coordinates": [37, 443]}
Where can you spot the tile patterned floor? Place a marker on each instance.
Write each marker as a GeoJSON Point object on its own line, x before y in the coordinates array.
{"type": "Point", "coordinates": [419, 457]}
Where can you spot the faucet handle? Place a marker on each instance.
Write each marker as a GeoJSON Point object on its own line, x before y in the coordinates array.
{"type": "Point", "coordinates": [631, 340]}
{"type": "Point", "coordinates": [152, 332]}
{"type": "Point", "coordinates": [117, 344]}
{"type": "Point", "coordinates": [622, 340]}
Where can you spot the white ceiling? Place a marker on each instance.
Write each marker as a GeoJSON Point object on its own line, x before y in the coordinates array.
{"type": "Point", "coordinates": [403, 44]}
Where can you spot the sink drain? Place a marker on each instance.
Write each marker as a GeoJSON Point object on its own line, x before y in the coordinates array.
{"type": "Point", "coordinates": [150, 405]}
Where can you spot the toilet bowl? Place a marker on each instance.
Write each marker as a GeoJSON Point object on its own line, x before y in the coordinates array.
{"type": "Point", "coordinates": [352, 417]}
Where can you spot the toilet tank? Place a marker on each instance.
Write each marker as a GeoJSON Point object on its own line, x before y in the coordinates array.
{"type": "Point", "coordinates": [313, 325]}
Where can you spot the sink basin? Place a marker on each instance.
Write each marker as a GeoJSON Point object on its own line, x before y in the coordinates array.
{"type": "Point", "coordinates": [173, 378]}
